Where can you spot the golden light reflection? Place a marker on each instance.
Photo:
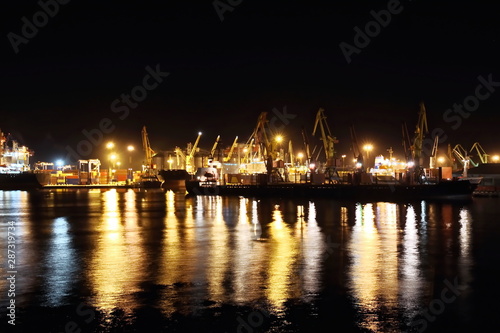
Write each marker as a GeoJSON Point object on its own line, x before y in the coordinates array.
{"type": "Point", "coordinates": [178, 258]}
{"type": "Point", "coordinates": [282, 254]}
{"type": "Point", "coordinates": [313, 251]}
{"type": "Point", "coordinates": [248, 255]}
{"type": "Point", "coordinates": [117, 263]}
{"type": "Point", "coordinates": [218, 255]}
{"type": "Point", "coordinates": [411, 279]}
{"type": "Point", "coordinates": [374, 270]}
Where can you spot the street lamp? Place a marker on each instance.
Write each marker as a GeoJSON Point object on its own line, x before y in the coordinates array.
{"type": "Point", "coordinates": [495, 158]}
{"type": "Point", "coordinates": [368, 148]}
{"type": "Point", "coordinates": [110, 145]}
{"type": "Point", "coordinates": [343, 162]}
{"type": "Point", "coordinates": [300, 156]}
{"type": "Point", "coordinates": [112, 159]}
{"type": "Point", "coordinates": [279, 139]}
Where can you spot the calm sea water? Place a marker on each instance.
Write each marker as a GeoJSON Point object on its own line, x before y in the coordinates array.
{"type": "Point", "coordinates": [158, 261]}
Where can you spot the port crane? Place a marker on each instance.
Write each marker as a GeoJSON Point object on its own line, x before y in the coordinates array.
{"type": "Point", "coordinates": [149, 153]}
{"type": "Point", "coordinates": [230, 153]}
{"type": "Point", "coordinates": [262, 134]}
{"type": "Point", "coordinates": [406, 142]}
{"type": "Point", "coordinates": [306, 147]}
{"type": "Point", "coordinates": [212, 152]}
{"type": "Point", "coordinates": [413, 148]}
{"type": "Point", "coordinates": [434, 152]}
{"type": "Point", "coordinates": [420, 130]}
{"type": "Point", "coordinates": [483, 157]}
{"type": "Point", "coordinates": [180, 156]}
{"type": "Point", "coordinates": [328, 144]}
{"type": "Point", "coordinates": [462, 156]}
{"type": "Point", "coordinates": [190, 155]}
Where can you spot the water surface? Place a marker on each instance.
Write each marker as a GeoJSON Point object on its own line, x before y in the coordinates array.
{"type": "Point", "coordinates": [135, 260]}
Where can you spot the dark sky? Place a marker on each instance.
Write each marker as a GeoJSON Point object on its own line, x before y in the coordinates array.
{"type": "Point", "coordinates": [264, 55]}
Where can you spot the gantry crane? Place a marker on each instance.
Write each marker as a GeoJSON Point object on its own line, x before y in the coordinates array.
{"type": "Point", "coordinates": [148, 163]}
{"type": "Point", "coordinates": [328, 144]}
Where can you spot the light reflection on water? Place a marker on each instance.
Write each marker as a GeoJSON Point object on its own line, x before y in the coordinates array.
{"type": "Point", "coordinates": [126, 249]}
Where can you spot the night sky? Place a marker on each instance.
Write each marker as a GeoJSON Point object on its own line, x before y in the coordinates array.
{"type": "Point", "coordinates": [261, 56]}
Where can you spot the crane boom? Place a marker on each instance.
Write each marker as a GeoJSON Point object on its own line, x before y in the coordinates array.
{"type": "Point", "coordinates": [433, 157]}
{"type": "Point", "coordinates": [190, 155]}
{"type": "Point", "coordinates": [420, 130]}
{"type": "Point", "coordinates": [326, 136]}
{"type": "Point", "coordinates": [212, 152]}
{"type": "Point", "coordinates": [306, 146]}
{"type": "Point", "coordinates": [355, 147]}
{"type": "Point", "coordinates": [461, 154]}
{"type": "Point", "coordinates": [228, 157]}
{"type": "Point", "coordinates": [290, 152]}
{"type": "Point", "coordinates": [480, 152]}
{"type": "Point", "coordinates": [147, 149]}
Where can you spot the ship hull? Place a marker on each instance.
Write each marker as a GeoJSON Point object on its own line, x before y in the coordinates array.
{"type": "Point", "coordinates": [453, 190]}
{"type": "Point", "coordinates": [22, 181]}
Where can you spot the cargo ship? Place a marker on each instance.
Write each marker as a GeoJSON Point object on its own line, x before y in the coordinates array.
{"type": "Point", "coordinates": [446, 189]}
{"type": "Point", "coordinates": [15, 173]}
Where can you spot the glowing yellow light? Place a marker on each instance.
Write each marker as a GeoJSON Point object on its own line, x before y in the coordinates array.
{"type": "Point", "coordinates": [110, 145]}
{"type": "Point", "coordinates": [130, 148]}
